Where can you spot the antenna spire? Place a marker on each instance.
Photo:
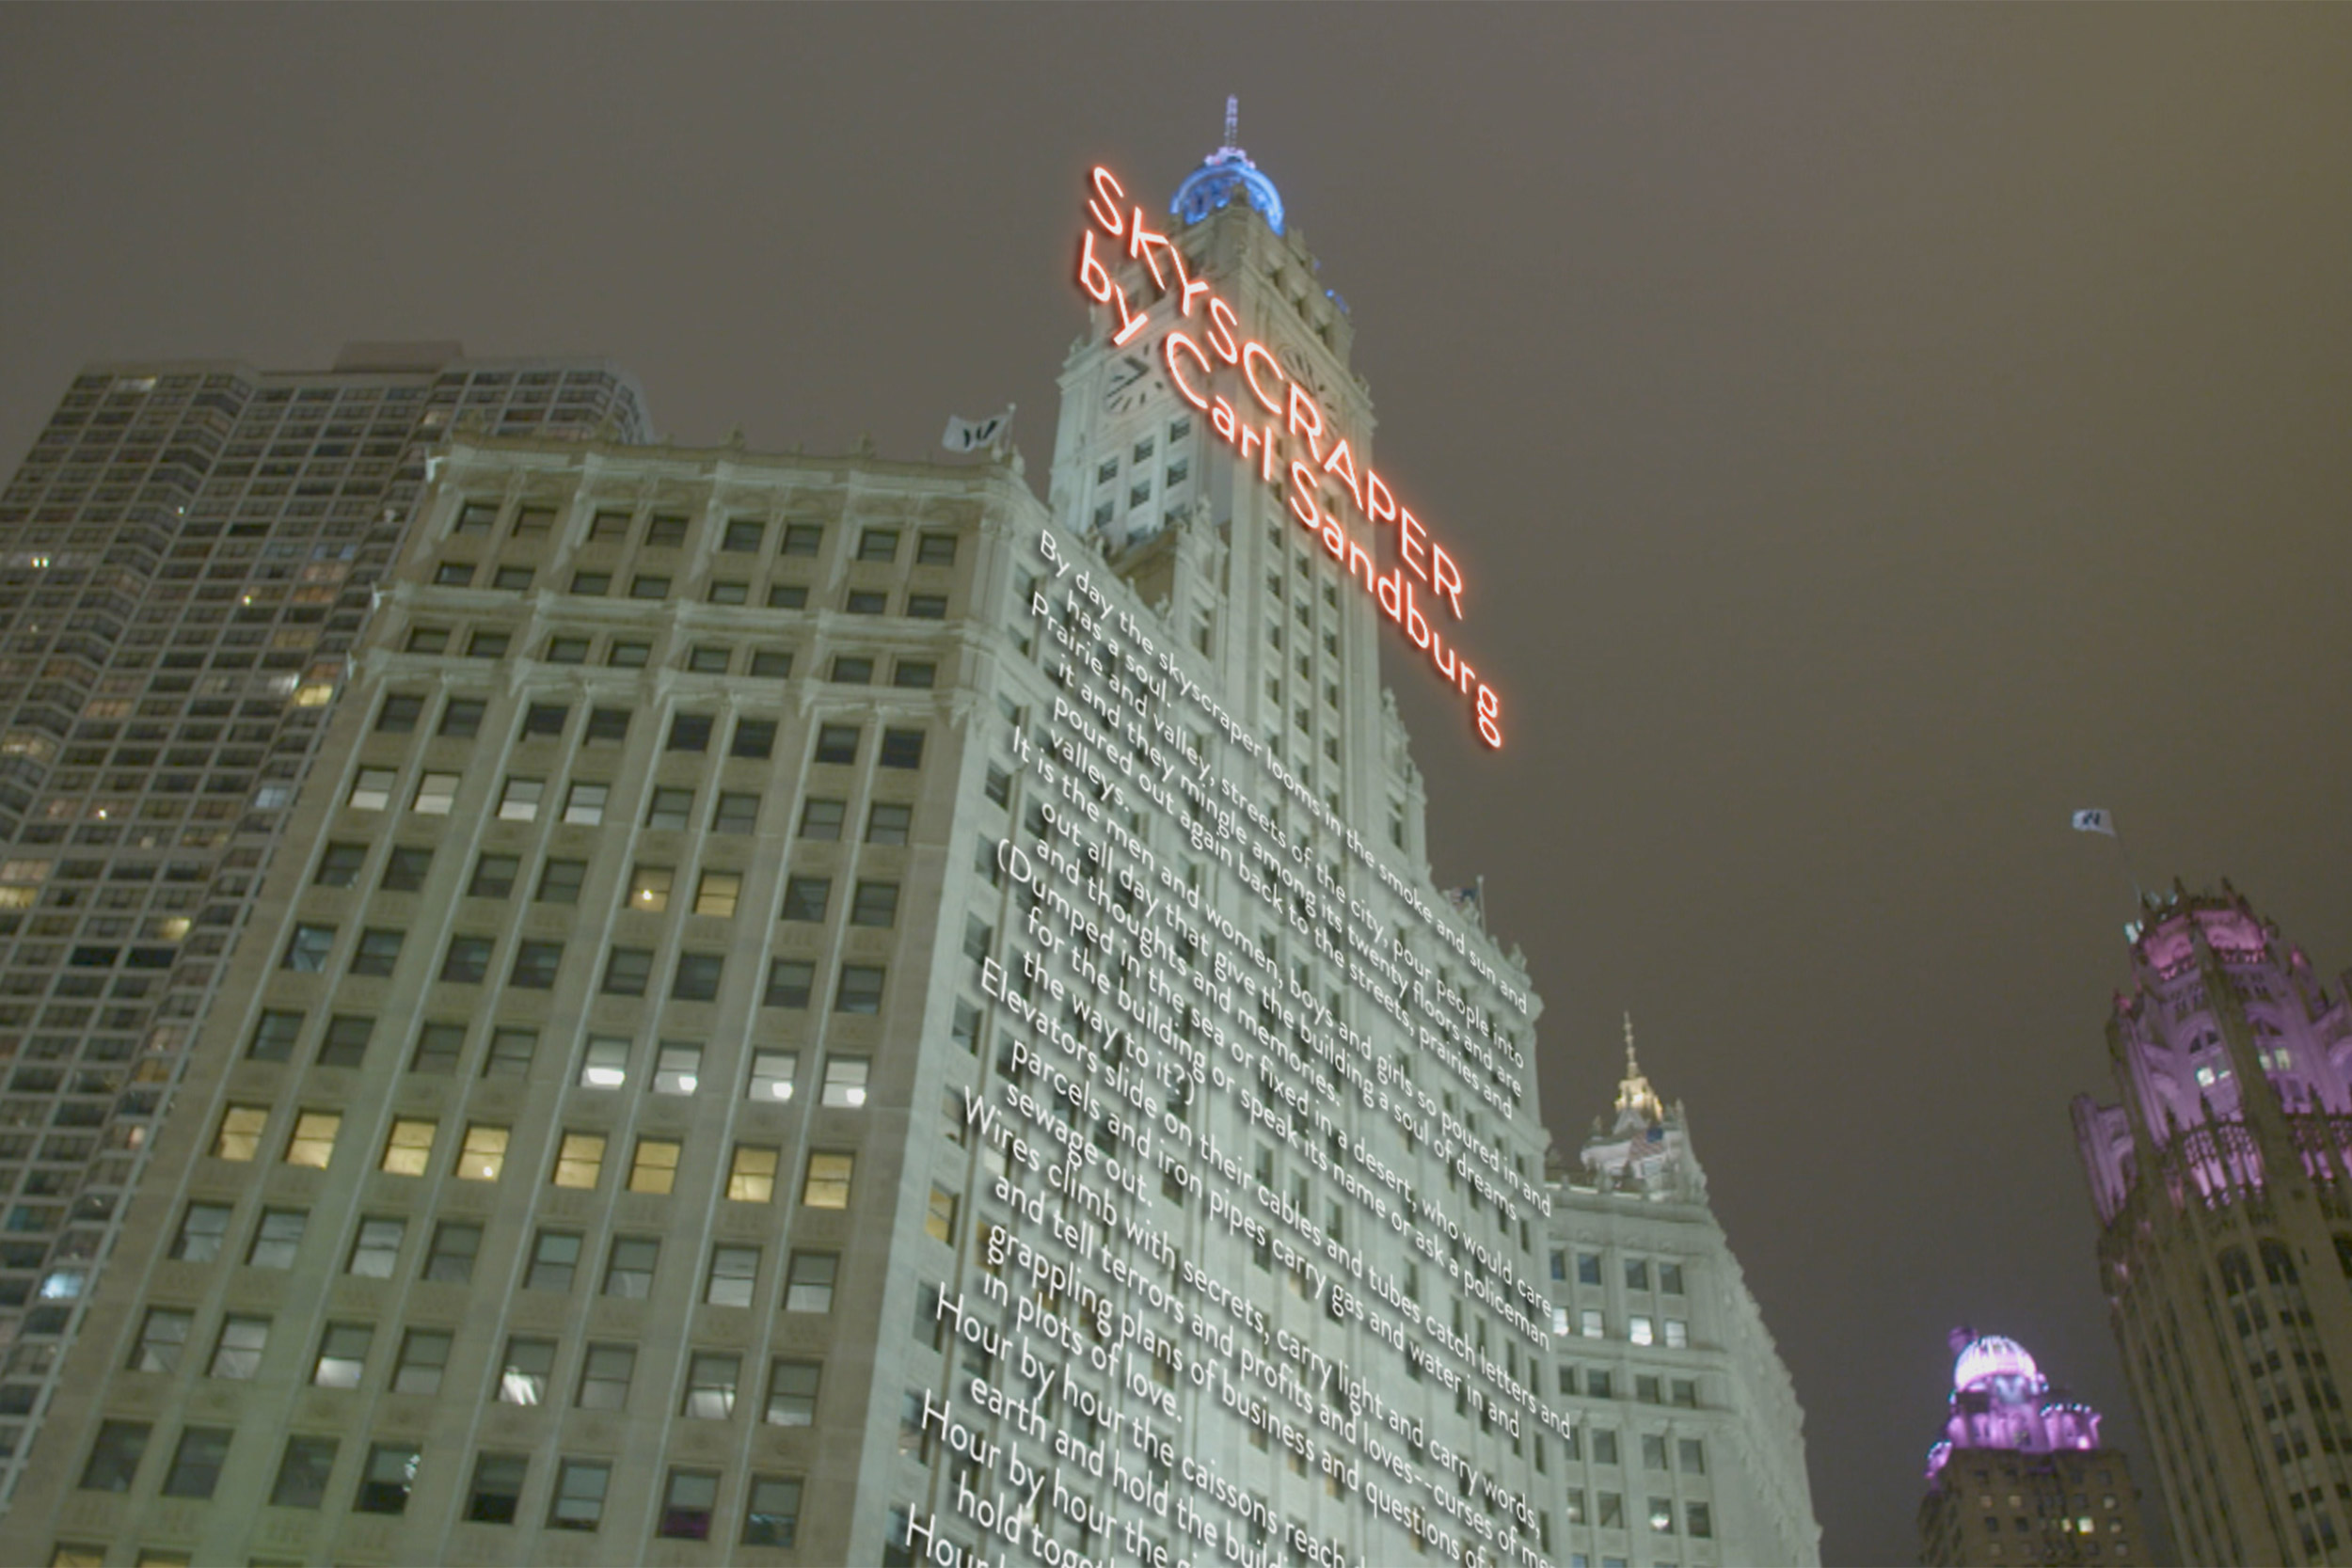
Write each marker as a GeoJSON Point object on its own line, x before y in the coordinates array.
{"type": "Point", "coordinates": [1232, 120]}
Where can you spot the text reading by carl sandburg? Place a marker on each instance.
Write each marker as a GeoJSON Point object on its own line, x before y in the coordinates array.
{"type": "Point", "coordinates": [1283, 430]}
{"type": "Point", "coordinates": [1218, 1288]}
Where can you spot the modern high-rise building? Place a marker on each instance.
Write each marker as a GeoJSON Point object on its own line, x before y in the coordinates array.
{"type": "Point", "coordinates": [2019, 1475]}
{"type": "Point", "coordinates": [825, 1011]}
{"type": "Point", "coordinates": [1690, 1437]}
{"type": "Point", "coordinates": [2223, 1183]}
{"type": "Point", "coordinates": [186, 556]}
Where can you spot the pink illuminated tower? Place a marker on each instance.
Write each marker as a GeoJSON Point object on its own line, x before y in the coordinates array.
{"type": "Point", "coordinates": [2223, 1183]}
{"type": "Point", "coordinates": [2019, 1475]}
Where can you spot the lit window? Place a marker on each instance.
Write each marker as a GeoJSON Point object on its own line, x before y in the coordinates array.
{"type": "Point", "coordinates": [1677, 1333]}
{"type": "Point", "coordinates": [939, 1219]}
{"type": "Point", "coordinates": [655, 1167]}
{"type": "Point", "coordinates": [580, 1159]}
{"type": "Point", "coordinates": [828, 1183]}
{"type": "Point", "coordinates": [238, 1354]}
{"type": "Point", "coordinates": [678, 1068]}
{"type": "Point", "coordinates": [604, 1065]}
{"type": "Point", "coordinates": [583, 804]}
{"type": "Point", "coordinates": [483, 1154]}
{"type": "Point", "coordinates": [649, 888]}
{"type": "Point", "coordinates": [710, 1379]}
{"type": "Point", "coordinates": [809, 1286]}
{"type": "Point", "coordinates": [845, 1080]}
{"type": "Point", "coordinates": [437, 794]}
{"type": "Point", "coordinates": [372, 790]}
{"type": "Point", "coordinates": [772, 1073]}
{"type": "Point", "coordinates": [717, 893]}
{"type": "Point", "coordinates": [409, 1149]}
{"type": "Point", "coordinates": [523, 1375]}
{"type": "Point", "coordinates": [1640, 1330]}
{"type": "Point", "coordinates": [519, 800]}
{"type": "Point", "coordinates": [342, 1356]}
{"type": "Point", "coordinates": [752, 1178]}
{"type": "Point", "coordinates": [313, 1139]}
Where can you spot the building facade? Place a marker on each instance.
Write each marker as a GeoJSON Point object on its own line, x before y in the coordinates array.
{"type": "Point", "coordinates": [2019, 1475]}
{"type": "Point", "coordinates": [186, 557]}
{"type": "Point", "coordinates": [616, 1139]}
{"type": "Point", "coordinates": [2223, 1185]}
{"type": "Point", "coordinates": [1691, 1444]}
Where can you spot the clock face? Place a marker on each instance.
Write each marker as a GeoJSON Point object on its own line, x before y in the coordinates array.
{"type": "Point", "coordinates": [1129, 384]}
{"type": "Point", "coordinates": [1301, 369]}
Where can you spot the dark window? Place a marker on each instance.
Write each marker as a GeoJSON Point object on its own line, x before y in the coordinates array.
{"type": "Point", "coordinates": [398, 713]}
{"type": "Point", "coordinates": [454, 1248]}
{"type": "Point", "coordinates": [339, 867]}
{"type": "Point", "coordinates": [493, 877]}
{"type": "Point", "coordinates": [902, 749]}
{"type": "Point", "coordinates": [927, 607]}
{"type": "Point", "coordinates": [113, 1459]}
{"type": "Point", "coordinates": [487, 644]}
{"type": "Point", "coordinates": [453, 574]}
{"type": "Point", "coordinates": [669, 807]}
{"type": "Point", "coordinates": [384, 1485]}
{"type": "Point", "coordinates": [306, 949]}
{"type": "Point", "coordinates": [405, 868]}
{"type": "Point", "coordinates": [498, 1487]}
{"type": "Point", "coordinates": [559, 883]}
{"type": "Point", "coordinates": [545, 718]}
{"type": "Point", "coordinates": [921, 674]}
{"type": "Point", "coordinates": [461, 718]}
{"type": "Point", "coordinates": [877, 904]}
{"type": "Point", "coordinates": [804, 897]}
{"type": "Point", "coordinates": [468, 961]}
{"type": "Point", "coordinates": [578, 1500]}
{"type": "Point", "coordinates": [608, 723]}
{"type": "Point", "coordinates": [774, 663]}
{"type": "Point", "coordinates": [196, 1465]}
{"type": "Point", "coordinates": [535, 963]}
{"type": "Point", "coordinates": [861, 989]}
{"type": "Point", "coordinates": [554, 1258]}
{"type": "Point", "coordinates": [789, 983]}
{"type": "Point", "coordinates": [821, 820]}
{"type": "Point", "coordinates": [438, 1046]}
{"type": "Point", "coordinates": [888, 823]}
{"type": "Point", "coordinates": [274, 1036]}
{"type": "Point", "coordinates": [378, 951]}
{"type": "Point", "coordinates": [743, 536]}
{"type": "Point", "coordinates": [753, 738]}
{"type": "Point", "coordinates": [627, 971]}
{"type": "Point", "coordinates": [686, 1505]}
{"type": "Point", "coordinates": [592, 585]}
{"type": "Point", "coordinates": [836, 743]}
{"type": "Point", "coordinates": [804, 538]}
{"type": "Point", "coordinates": [647, 586]}
{"type": "Point", "coordinates": [738, 813]}
{"type": "Point", "coordinates": [346, 1041]}
{"type": "Point", "coordinates": [866, 603]}
{"type": "Point", "coordinates": [878, 543]}
{"type": "Point", "coordinates": [302, 1474]}
{"type": "Point", "coordinates": [935, 549]}
{"type": "Point", "coordinates": [788, 596]}
{"type": "Point", "coordinates": [697, 978]}
{"type": "Point", "coordinates": [773, 1516]}
{"type": "Point", "coordinates": [665, 531]}
{"type": "Point", "coordinates": [690, 732]}
{"type": "Point", "coordinates": [850, 671]}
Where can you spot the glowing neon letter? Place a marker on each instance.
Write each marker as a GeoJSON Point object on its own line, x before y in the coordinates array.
{"type": "Point", "coordinates": [1252, 352]}
{"type": "Point", "coordinates": [1344, 463]}
{"type": "Point", "coordinates": [1169, 346]}
{"type": "Point", "coordinates": [1092, 277]}
{"type": "Point", "coordinates": [1380, 505]}
{"type": "Point", "coordinates": [1221, 323]}
{"type": "Point", "coordinates": [1104, 207]}
{"type": "Point", "coordinates": [1303, 496]}
{"type": "Point", "coordinates": [1221, 416]}
{"type": "Point", "coordinates": [1139, 243]}
{"type": "Point", "coordinates": [1490, 710]}
{"type": "Point", "coordinates": [1410, 539]}
{"type": "Point", "coordinates": [1304, 412]}
{"type": "Point", "coordinates": [1448, 580]}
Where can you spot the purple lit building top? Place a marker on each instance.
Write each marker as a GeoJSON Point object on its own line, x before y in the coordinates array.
{"type": "Point", "coordinates": [2000, 1399]}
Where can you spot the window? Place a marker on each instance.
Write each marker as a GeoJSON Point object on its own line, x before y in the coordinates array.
{"type": "Point", "coordinates": [429, 640]}
{"type": "Point", "coordinates": [373, 789]}
{"type": "Point", "coordinates": [545, 718]}
{"type": "Point", "coordinates": [629, 653]}
{"type": "Point", "coordinates": [240, 1134]}
{"type": "Point", "coordinates": [195, 1464]}
{"type": "Point", "coordinates": [302, 1474]}
{"type": "Point", "coordinates": [808, 1287]}
{"type": "Point", "coordinates": [519, 800]}
{"type": "Point", "coordinates": [935, 549]}
{"type": "Point", "coordinates": [461, 718]}
{"type": "Point", "coordinates": [113, 1459]}
{"type": "Point", "coordinates": [377, 952]}
{"type": "Point", "coordinates": [204, 1227]}
{"type": "Point", "coordinates": [788, 983]}
{"type": "Point", "coordinates": [836, 743]}
{"type": "Point", "coordinates": [654, 1169]}
{"type": "Point", "coordinates": [717, 892]}
{"type": "Point", "coordinates": [1640, 1330]}
{"type": "Point", "coordinates": [400, 712]}
{"type": "Point", "coordinates": [888, 823]}
{"type": "Point", "coordinates": [608, 527]}
{"type": "Point", "coordinates": [559, 883]}
{"type": "Point", "coordinates": [877, 904]}
{"type": "Point", "coordinates": [772, 1518]}
{"type": "Point", "coordinates": [1601, 1382]}
{"type": "Point", "coordinates": [483, 1154]}
{"type": "Point", "coordinates": [1699, 1520]}
{"type": "Point", "coordinates": [821, 820]}
{"type": "Point", "coordinates": [454, 1248]}
{"type": "Point", "coordinates": [377, 1249]}
{"type": "Point", "coordinates": [339, 867]}
{"type": "Point", "coordinates": [608, 723]}
{"type": "Point", "coordinates": [523, 1374]}
{"type": "Point", "coordinates": [476, 517]}
{"type": "Point", "coordinates": [346, 1041]}
{"type": "Point", "coordinates": [405, 868]}
{"type": "Point", "coordinates": [629, 1267]}
{"type": "Point", "coordinates": [804, 538]}
{"type": "Point", "coordinates": [918, 675]}
{"type": "Point", "coordinates": [828, 1182]}
{"type": "Point", "coordinates": [342, 1356]}
{"type": "Point", "coordinates": [849, 670]}
{"type": "Point", "coordinates": [878, 543]}
{"type": "Point", "coordinates": [554, 1258]}
{"type": "Point", "coordinates": [927, 607]}
{"type": "Point", "coordinates": [743, 536]}
{"type": "Point", "coordinates": [313, 1140]}
{"type": "Point", "coordinates": [1589, 1323]}
{"type": "Point", "coordinates": [1670, 1278]}
{"type": "Point", "coordinates": [436, 795]}
{"type": "Point", "coordinates": [1653, 1452]}
{"type": "Point", "coordinates": [438, 1046]}
{"type": "Point", "coordinates": [791, 1393]}
{"type": "Point", "coordinates": [939, 1219]}
{"type": "Point", "coordinates": [709, 659]}
{"type": "Point", "coordinates": [583, 804]}
{"type": "Point", "coordinates": [466, 961]}
{"type": "Point", "coordinates": [578, 1500]}
{"type": "Point", "coordinates": [665, 532]}
{"type": "Point", "coordinates": [773, 1072]}
{"type": "Point", "coordinates": [678, 1068]}
{"type": "Point", "coordinates": [649, 888]}
{"type": "Point", "coordinates": [626, 971]}
{"type": "Point", "coordinates": [647, 585]}
{"type": "Point", "coordinates": [497, 1488]}
{"type": "Point", "coordinates": [567, 650]}
{"type": "Point", "coordinates": [307, 950]}
{"type": "Point", "coordinates": [391, 1470]}
{"type": "Point", "coordinates": [579, 1159]}
{"type": "Point", "coordinates": [753, 738]}
{"type": "Point", "coordinates": [733, 1273]}
{"type": "Point", "coordinates": [532, 522]}
{"type": "Point", "coordinates": [861, 989]}
{"type": "Point", "coordinates": [237, 1355]}
{"type": "Point", "coordinates": [752, 1177]}
{"type": "Point", "coordinates": [686, 1505]}
{"type": "Point", "coordinates": [845, 1080]}
{"type": "Point", "coordinates": [409, 1149]}
{"type": "Point", "coordinates": [670, 807]}
{"type": "Point", "coordinates": [1694, 1456]}
{"type": "Point", "coordinates": [690, 732]}
{"type": "Point", "coordinates": [424, 1357]}
{"type": "Point", "coordinates": [776, 663]}
{"type": "Point", "coordinates": [697, 976]}
{"type": "Point", "coordinates": [274, 1036]}
{"type": "Point", "coordinates": [535, 963]}
{"type": "Point", "coordinates": [604, 1063]}
{"type": "Point", "coordinates": [804, 897]}
{"type": "Point", "coordinates": [1684, 1391]}
{"type": "Point", "coordinates": [1637, 1273]}
{"type": "Point", "coordinates": [1604, 1446]}
{"type": "Point", "coordinates": [493, 877]}
{"type": "Point", "coordinates": [163, 1339]}
{"type": "Point", "coordinates": [738, 813]}
{"type": "Point", "coordinates": [902, 749]}
{"type": "Point", "coordinates": [604, 1376]}
{"type": "Point", "coordinates": [711, 1379]}
{"type": "Point", "coordinates": [592, 585]}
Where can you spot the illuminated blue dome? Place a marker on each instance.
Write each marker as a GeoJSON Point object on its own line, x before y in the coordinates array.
{"type": "Point", "coordinates": [1224, 174]}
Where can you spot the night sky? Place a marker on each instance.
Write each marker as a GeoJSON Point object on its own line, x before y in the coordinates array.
{"type": "Point", "coordinates": [1870, 434]}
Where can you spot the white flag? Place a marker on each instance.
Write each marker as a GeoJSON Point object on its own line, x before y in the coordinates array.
{"type": "Point", "coordinates": [2094, 822]}
{"type": "Point", "coordinates": [972, 434]}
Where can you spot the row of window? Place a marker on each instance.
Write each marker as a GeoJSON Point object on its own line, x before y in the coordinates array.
{"type": "Point", "coordinates": [656, 586]}
{"type": "Point", "coordinates": [690, 1497]}
{"type": "Point", "coordinates": [1608, 1513]}
{"type": "Point", "coordinates": [666, 531]}
{"type": "Point", "coordinates": [667, 806]}
{"type": "Point", "coordinates": [1640, 1327]}
{"type": "Point", "coordinates": [1604, 1382]}
{"type": "Point", "coordinates": [1638, 1272]}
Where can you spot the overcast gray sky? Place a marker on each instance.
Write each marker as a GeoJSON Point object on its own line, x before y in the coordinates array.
{"type": "Point", "coordinates": [1870, 434]}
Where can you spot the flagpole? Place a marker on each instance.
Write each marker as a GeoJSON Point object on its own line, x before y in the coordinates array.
{"type": "Point", "coordinates": [2123, 862]}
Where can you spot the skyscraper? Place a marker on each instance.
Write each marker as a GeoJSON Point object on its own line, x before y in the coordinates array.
{"type": "Point", "coordinates": [2019, 1475]}
{"type": "Point", "coordinates": [1690, 1440]}
{"type": "Point", "coordinates": [823, 1009]}
{"type": "Point", "coordinates": [186, 556]}
{"type": "Point", "coordinates": [2220, 1182]}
